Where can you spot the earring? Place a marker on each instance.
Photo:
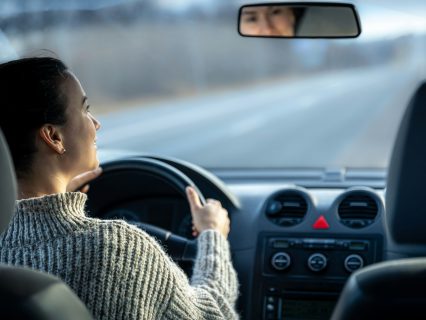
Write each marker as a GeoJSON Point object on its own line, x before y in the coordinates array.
{"type": "Point", "coordinates": [63, 151]}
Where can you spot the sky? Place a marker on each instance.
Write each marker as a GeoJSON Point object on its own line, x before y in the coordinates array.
{"type": "Point", "coordinates": [380, 19]}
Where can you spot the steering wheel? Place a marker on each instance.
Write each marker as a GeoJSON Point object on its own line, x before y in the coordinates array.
{"type": "Point", "coordinates": [101, 196]}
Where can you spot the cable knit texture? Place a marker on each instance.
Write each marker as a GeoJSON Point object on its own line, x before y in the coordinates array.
{"type": "Point", "coordinates": [116, 269]}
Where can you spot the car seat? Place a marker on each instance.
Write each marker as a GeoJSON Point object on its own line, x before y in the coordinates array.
{"type": "Point", "coordinates": [26, 293]}
{"type": "Point", "coordinates": [396, 289]}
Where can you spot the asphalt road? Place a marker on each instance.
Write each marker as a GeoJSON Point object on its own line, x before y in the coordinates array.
{"type": "Point", "coordinates": [339, 119]}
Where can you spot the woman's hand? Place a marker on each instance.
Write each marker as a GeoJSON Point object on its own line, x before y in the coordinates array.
{"type": "Point", "coordinates": [210, 216]}
{"type": "Point", "coordinates": [81, 181]}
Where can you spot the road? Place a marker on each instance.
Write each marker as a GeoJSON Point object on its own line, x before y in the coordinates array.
{"type": "Point", "coordinates": [339, 119]}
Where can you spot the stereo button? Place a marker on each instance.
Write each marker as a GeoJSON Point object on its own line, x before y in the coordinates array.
{"type": "Point", "coordinates": [281, 261]}
{"type": "Point", "coordinates": [317, 262]}
{"type": "Point", "coordinates": [353, 262]}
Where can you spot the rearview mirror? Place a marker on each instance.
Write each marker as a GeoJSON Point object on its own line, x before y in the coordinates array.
{"type": "Point", "coordinates": [299, 20]}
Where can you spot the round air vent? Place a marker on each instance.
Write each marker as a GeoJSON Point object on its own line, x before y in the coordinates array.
{"type": "Point", "coordinates": [287, 208]}
{"type": "Point", "coordinates": [358, 210]}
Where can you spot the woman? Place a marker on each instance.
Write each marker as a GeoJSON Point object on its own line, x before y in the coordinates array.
{"type": "Point", "coordinates": [116, 269]}
{"type": "Point", "coordinates": [270, 20]}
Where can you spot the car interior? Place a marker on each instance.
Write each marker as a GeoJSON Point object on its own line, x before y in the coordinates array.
{"type": "Point", "coordinates": [333, 243]}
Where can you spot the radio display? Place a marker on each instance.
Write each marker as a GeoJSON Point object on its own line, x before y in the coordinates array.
{"type": "Point", "coordinates": [281, 244]}
{"type": "Point", "coordinates": [293, 309]}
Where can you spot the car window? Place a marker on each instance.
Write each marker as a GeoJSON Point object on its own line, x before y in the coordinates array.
{"type": "Point", "coordinates": [175, 78]}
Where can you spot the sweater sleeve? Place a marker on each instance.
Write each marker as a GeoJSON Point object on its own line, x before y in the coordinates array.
{"type": "Point", "coordinates": [149, 285]}
{"type": "Point", "coordinates": [213, 289]}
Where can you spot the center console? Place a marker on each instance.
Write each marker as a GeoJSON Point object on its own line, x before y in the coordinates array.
{"type": "Point", "coordinates": [300, 276]}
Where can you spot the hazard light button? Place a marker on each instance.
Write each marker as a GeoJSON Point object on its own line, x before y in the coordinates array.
{"type": "Point", "coordinates": [321, 223]}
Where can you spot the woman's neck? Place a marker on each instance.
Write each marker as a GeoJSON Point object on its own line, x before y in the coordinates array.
{"type": "Point", "coordinates": [40, 185]}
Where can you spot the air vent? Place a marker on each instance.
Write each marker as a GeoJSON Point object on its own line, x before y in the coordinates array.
{"type": "Point", "coordinates": [287, 209]}
{"type": "Point", "coordinates": [358, 210]}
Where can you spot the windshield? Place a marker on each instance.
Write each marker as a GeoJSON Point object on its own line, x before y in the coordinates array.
{"type": "Point", "coordinates": [175, 78]}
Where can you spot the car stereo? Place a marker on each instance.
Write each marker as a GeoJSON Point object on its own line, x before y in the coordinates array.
{"type": "Point", "coordinates": [301, 276]}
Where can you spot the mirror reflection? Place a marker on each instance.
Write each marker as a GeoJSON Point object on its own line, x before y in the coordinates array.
{"type": "Point", "coordinates": [270, 20]}
{"type": "Point", "coordinates": [301, 21]}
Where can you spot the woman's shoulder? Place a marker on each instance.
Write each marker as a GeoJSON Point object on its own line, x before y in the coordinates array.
{"type": "Point", "coordinates": [119, 232]}
{"type": "Point", "coordinates": [114, 225]}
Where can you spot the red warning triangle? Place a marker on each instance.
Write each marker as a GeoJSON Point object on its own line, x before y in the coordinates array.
{"type": "Point", "coordinates": [321, 223]}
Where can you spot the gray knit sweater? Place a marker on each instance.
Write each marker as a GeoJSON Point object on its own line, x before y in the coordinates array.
{"type": "Point", "coordinates": [117, 270]}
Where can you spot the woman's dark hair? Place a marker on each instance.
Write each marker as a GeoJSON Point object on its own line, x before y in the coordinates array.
{"type": "Point", "coordinates": [299, 13]}
{"type": "Point", "coordinates": [30, 96]}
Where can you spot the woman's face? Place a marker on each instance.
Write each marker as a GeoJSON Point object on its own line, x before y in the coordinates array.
{"type": "Point", "coordinates": [79, 131]}
{"type": "Point", "coordinates": [267, 21]}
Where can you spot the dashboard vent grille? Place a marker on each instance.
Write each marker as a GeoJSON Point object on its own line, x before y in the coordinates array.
{"type": "Point", "coordinates": [287, 209]}
{"type": "Point", "coordinates": [358, 210]}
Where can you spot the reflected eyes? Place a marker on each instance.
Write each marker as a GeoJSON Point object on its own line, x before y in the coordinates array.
{"type": "Point", "coordinates": [251, 19]}
{"type": "Point", "coordinates": [88, 108]}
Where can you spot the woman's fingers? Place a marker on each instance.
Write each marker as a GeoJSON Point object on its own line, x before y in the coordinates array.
{"type": "Point", "coordinates": [193, 199]}
{"type": "Point", "coordinates": [214, 202]}
{"type": "Point", "coordinates": [85, 188]}
{"type": "Point", "coordinates": [194, 231]}
{"type": "Point", "coordinates": [83, 179]}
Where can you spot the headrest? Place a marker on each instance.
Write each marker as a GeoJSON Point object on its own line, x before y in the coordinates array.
{"type": "Point", "coordinates": [386, 290]}
{"type": "Point", "coordinates": [30, 294]}
{"type": "Point", "coordinates": [406, 181]}
{"type": "Point", "coordinates": [7, 185]}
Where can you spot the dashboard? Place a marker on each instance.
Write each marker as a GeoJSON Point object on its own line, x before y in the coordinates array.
{"type": "Point", "coordinates": [294, 247]}
{"type": "Point", "coordinates": [295, 238]}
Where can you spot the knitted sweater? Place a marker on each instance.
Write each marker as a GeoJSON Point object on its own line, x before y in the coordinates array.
{"type": "Point", "coordinates": [116, 269]}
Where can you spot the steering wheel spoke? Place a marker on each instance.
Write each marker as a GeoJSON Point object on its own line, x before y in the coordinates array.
{"type": "Point", "coordinates": [178, 247]}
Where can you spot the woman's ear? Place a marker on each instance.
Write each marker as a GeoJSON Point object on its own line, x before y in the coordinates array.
{"type": "Point", "coordinates": [51, 135]}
